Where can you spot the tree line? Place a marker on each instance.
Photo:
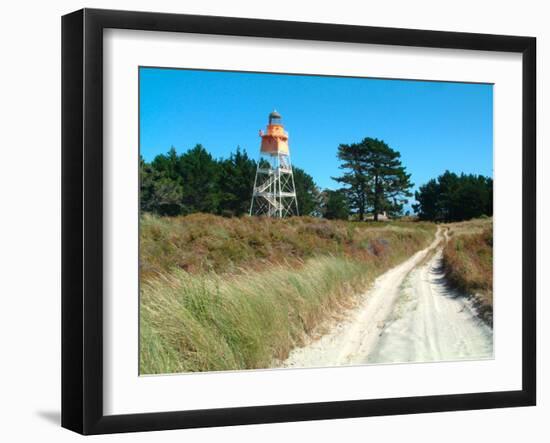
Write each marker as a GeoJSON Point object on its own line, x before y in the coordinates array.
{"type": "Point", "coordinates": [373, 181]}
{"type": "Point", "coordinates": [194, 181]}
{"type": "Point", "coordinates": [451, 197]}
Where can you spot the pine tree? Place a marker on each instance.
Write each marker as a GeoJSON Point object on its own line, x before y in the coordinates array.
{"type": "Point", "coordinates": [335, 205]}
{"type": "Point", "coordinates": [199, 175]}
{"type": "Point", "coordinates": [236, 179]}
{"type": "Point", "coordinates": [374, 177]}
{"type": "Point", "coordinates": [307, 193]}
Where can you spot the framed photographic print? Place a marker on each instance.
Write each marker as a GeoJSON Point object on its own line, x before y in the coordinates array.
{"type": "Point", "coordinates": [269, 221]}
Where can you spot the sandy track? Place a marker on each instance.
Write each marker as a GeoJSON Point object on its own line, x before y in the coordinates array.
{"type": "Point", "coordinates": [408, 315]}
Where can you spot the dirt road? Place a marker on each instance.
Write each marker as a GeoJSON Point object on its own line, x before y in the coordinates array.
{"type": "Point", "coordinates": [409, 315]}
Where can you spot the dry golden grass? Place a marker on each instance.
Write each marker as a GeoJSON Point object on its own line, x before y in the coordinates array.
{"type": "Point", "coordinates": [468, 261]}
{"type": "Point", "coordinates": [202, 243]}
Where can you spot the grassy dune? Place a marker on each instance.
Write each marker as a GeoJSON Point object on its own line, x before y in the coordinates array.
{"type": "Point", "coordinates": [468, 261]}
{"type": "Point", "coordinates": [226, 294]}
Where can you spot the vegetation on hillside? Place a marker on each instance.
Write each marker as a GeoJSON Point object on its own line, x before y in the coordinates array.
{"type": "Point", "coordinates": [226, 293]}
{"type": "Point", "coordinates": [468, 262]}
{"type": "Point", "coordinates": [201, 243]}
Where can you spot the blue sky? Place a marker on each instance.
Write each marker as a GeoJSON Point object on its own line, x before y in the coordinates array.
{"type": "Point", "coordinates": [435, 125]}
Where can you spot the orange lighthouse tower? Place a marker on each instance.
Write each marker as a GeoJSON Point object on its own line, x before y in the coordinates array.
{"type": "Point", "coordinates": [274, 192]}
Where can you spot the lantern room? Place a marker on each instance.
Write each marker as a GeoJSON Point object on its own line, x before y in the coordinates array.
{"type": "Point", "coordinates": [275, 139]}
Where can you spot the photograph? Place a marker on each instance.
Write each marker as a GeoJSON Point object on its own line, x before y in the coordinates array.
{"type": "Point", "coordinates": [293, 220]}
{"type": "Point", "coordinates": [251, 222]}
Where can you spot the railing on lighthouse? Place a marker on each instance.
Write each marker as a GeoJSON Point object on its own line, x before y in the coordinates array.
{"type": "Point", "coordinates": [274, 191]}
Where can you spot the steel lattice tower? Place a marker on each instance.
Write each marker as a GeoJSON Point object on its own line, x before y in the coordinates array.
{"type": "Point", "coordinates": [274, 192]}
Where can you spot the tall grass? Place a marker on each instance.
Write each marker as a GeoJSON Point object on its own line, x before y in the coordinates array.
{"type": "Point", "coordinates": [208, 323]}
{"type": "Point", "coordinates": [468, 262]}
{"type": "Point", "coordinates": [249, 308]}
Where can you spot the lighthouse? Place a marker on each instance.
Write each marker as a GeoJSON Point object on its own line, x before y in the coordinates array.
{"type": "Point", "coordinates": [274, 192]}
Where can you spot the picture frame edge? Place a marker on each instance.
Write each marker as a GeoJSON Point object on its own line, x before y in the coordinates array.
{"type": "Point", "coordinates": [82, 216]}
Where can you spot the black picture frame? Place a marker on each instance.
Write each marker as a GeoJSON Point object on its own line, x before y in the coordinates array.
{"type": "Point", "coordinates": [82, 218]}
